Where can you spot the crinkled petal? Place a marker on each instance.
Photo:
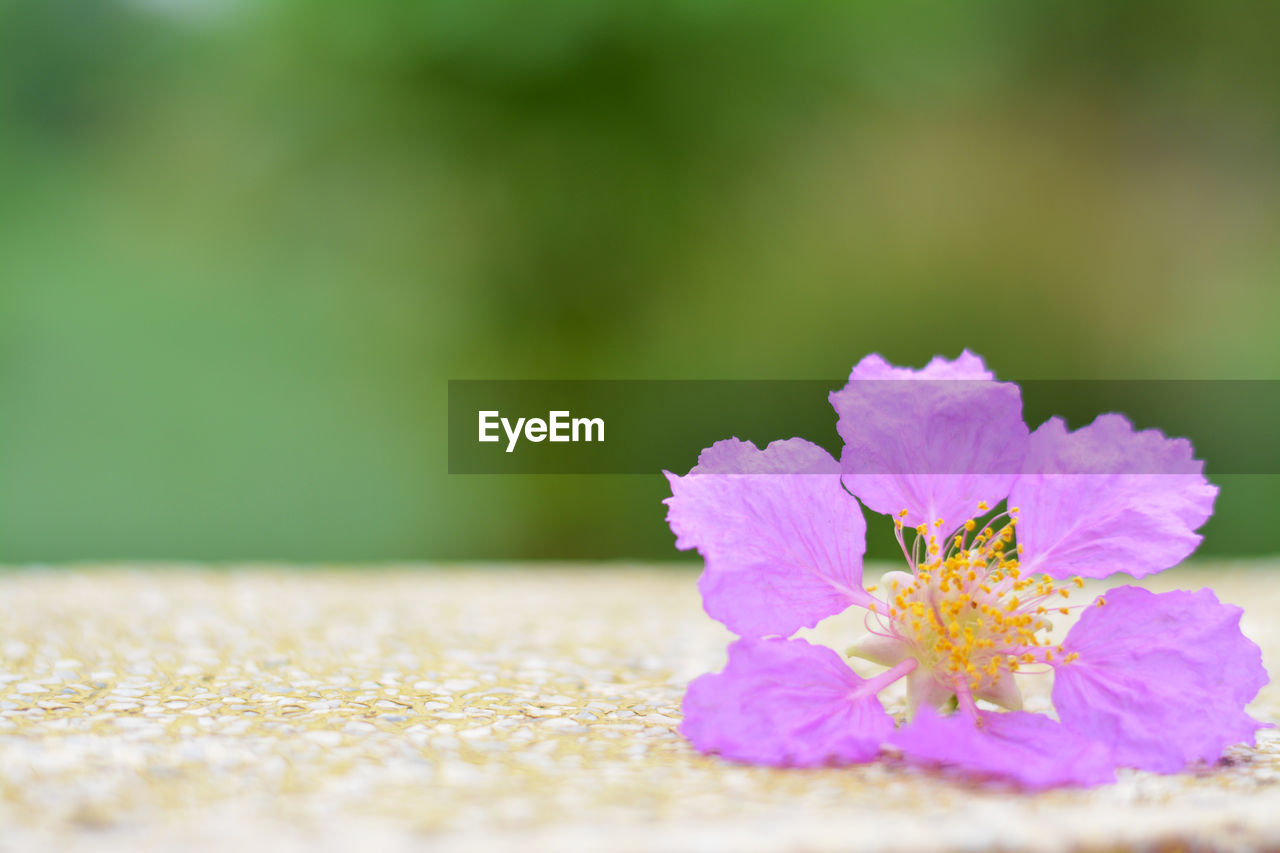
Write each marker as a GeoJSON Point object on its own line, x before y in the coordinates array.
{"type": "Point", "coordinates": [785, 702]}
{"type": "Point", "coordinates": [966, 366]}
{"type": "Point", "coordinates": [782, 540]}
{"type": "Point", "coordinates": [1107, 499]}
{"type": "Point", "coordinates": [1030, 749]}
{"type": "Point", "coordinates": [936, 442]}
{"type": "Point", "coordinates": [1162, 679]}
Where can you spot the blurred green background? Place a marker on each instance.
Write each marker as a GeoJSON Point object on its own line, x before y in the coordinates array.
{"type": "Point", "coordinates": [244, 243]}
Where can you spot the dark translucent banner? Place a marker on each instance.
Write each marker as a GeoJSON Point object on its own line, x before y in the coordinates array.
{"type": "Point", "coordinates": [646, 426]}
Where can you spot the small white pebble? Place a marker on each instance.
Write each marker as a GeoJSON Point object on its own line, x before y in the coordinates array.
{"type": "Point", "coordinates": [325, 738]}
{"type": "Point", "coordinates": [561, 724]}
{"type": "Point", "coordinates": [456, 685]}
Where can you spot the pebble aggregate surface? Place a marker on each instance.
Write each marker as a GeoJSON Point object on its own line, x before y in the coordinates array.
{"type": "Point", "coordinates": [520, 707]}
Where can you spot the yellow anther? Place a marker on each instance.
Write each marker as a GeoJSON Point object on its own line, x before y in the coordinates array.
{"type": "Point", "coordinates": [873, 587]}
{"type": "Point", "coordinates": [903, 513]}
{"type": "Point", "coordinates": [921, 529]}
{"type": "Point", "coordinates": [1065, 611]}
{"type": "Point", "coordinates": [1072, 656]}
{"type": "Point", "coordinates": [1078, 581]}
{"type": "Point", "coordinates": [1101, 601]}
{"type": "Point", "coordinates": [982, 506]}
{"type": "Point", "coordinates": [1064, 593]}
{"type": "Point", "coordinates": [970, 524]}
{"type": "Point", "coordinates": [938, 523]}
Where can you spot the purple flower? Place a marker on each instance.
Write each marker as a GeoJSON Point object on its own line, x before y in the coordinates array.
{"type": "Point", "coordinates": [1145, 680]}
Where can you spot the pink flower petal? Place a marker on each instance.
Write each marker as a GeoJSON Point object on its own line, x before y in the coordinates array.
{"type": "Point", "coordinates": [1106, 499]}
{"type": "Point", "coordinates": [1030, 749]}
{"type": "Point", "coordinates": [935, 442]}
{"type": "Point", "coordinates": [785, 702]}
{"type": "Point", "coordinates": [1162, 679]}
{"type": "Point", "coordinates": [783, 541]}
{"type": "Point", "coordinates": [966, 366]}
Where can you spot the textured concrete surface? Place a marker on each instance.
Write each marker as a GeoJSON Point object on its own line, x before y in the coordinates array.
{"type": "Point", "coordinates": [517, 707]}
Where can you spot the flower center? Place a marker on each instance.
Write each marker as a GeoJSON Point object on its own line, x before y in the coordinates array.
{"type": "Point", "coordinates": [968, 611]}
